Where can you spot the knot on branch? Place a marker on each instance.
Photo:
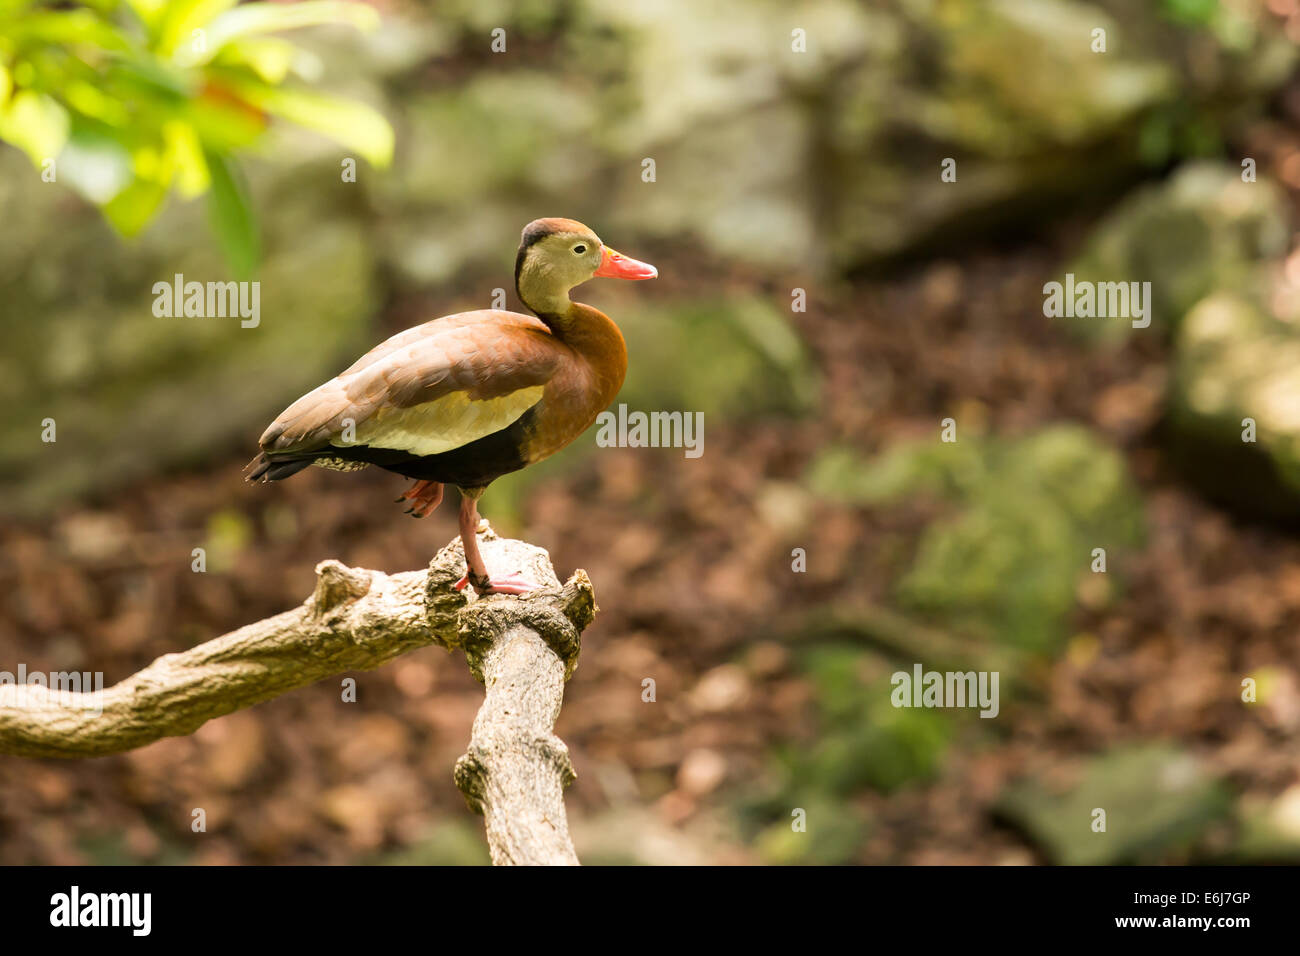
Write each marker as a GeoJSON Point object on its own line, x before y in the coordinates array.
{"type": "Point", "coordinates": [461, 618]}
{"type": "Point", "coordinates": [442, 602]}
{"type": "Point", "coordinates": [471, 773]}
{"type": "Point", "coordinates": [337, 584]}
{"type": "Point", "coordinates": [559, 616]}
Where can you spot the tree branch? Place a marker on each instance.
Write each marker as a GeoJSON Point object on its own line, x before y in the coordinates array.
{"type": "Point", "coordinates": [522, 649]}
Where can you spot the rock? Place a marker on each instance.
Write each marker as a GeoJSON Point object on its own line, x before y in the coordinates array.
{"type": "Point", "coordinates": [1006, 564]}
{"type": "Point", "coordinates": [1211, 246]}
{"type": "Point", "coordinates": [1157, 801]}
{"type": "Point", "coordinates": [1235, 362]}
{"type": "Point", "coordinates": [831, 834]}
{"type": "Point", "coordinates": [716, 357]}
{"type": "Point", "coordinates": [130, 392]}
{"type": "Point", "coordinates": [1201, 231]}
{"type": "Point", "coordinates": [823, 149]}
{"type": "Point", "coordinates": [1269, 830]}
{"type": "Point", "coordinates": [724, 688]}
{"type": "Point", "coordinates": [701, 772]}
{"type": "Point", "coordinates": [833, 155]}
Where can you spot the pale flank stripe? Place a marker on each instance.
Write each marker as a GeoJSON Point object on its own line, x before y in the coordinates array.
{"type": "Point", "coordinates": [438, 426]}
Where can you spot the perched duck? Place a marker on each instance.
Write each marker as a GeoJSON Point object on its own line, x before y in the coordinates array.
{"type": "Point", "coordinates": [469, 397]}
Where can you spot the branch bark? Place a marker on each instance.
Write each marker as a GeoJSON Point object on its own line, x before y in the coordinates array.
{"type": "Point", "coordinates": [523, 650]}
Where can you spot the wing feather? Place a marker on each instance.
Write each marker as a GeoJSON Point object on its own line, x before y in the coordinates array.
{"type": "Point", "coordinates": [429, 389]}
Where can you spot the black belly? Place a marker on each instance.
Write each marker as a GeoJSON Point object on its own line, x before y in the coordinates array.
{"type": "Point", "coordinates": [470, 466]}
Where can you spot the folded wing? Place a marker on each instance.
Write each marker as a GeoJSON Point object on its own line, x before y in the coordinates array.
{"type": "Point", "coordinates": [427, 390]}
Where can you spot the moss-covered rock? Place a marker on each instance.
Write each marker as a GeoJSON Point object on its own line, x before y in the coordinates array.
{"type": "Point", "coordinates": [1268, 829]}
{"type": "Point", "coordinates": [821, 833]}
{"type": "Point", "coordinates": [1157, 802]}
{"type": "Point", "coordinates": [730, 358]}
{"type": "Point", "coordinates": [812, 136]}
{"type": "Point", "coordinates": [1202, 231]}
{"type": "Point", "coordinates": [1234, 408]}
{"type": "Point", "coordinates": [833, 154]}
{"type": "Point", "coordinates": [1007, 564]}
{"type": "Point", "coordinates": [131, 392]}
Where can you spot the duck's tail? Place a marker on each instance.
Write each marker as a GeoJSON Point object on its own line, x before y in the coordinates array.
{"type": "Point", "coordinates": [265, 468]}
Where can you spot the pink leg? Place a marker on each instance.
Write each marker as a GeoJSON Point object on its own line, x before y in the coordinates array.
{"type": "Point", "coordinates": [424, 496]}
{"type": "Point", "coordinates": [477, 574]}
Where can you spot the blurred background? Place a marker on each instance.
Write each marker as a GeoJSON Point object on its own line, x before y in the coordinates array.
{"type": "Point", "coordinates": [794, 147]}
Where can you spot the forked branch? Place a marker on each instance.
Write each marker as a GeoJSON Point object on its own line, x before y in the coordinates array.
{"type": "Point", "coordinates": [523, 650]}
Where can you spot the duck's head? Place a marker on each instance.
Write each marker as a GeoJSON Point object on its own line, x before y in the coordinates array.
{"type": "Point", "coordinates": [557, 254]}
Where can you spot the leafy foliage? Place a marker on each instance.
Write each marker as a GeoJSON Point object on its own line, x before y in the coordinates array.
{"type": "Point", "coordinates": [128, 100]}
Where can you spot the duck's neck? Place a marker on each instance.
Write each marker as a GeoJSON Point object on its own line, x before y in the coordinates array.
{"type": "Point", "coordinates": [540, 291]}
{"type": "Point", "coordinates": [586, 330]}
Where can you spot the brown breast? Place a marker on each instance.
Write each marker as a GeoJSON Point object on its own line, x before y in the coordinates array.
{"type": "Point", "coordinates": [583, 386]}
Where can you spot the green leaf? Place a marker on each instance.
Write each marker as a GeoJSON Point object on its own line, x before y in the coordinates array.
{"type": "Point", "coordinates": [36, 124]}
{"type": "Point", "coordinates": [69, 28]}
{"type": "Point", "coordinates": [1191, 12]}
{"type": "Point", "coordinates": [150, 12]}
{"type": "Point", "coordinates": [130, 210]}
{"type": "Point", "coordinates": [152, 79]}
{"type": "Point", "coordinates": [254, 18]}
{"type": "Point", "coordinates": [352, 124]}
{"type": "Point", "coordinates": [10, 9]}
{"type": "Point", "coordinates": [91, 101]}
{"type": "Point", "coordinates": [176, 32]}
{"type": "Point", "coordinates": [270, 58]}
{"type": "Point", "coordinates": [272, 17]}
{"type": "Point", "coordinates": [224, 126]}
{"type": "Point", "coordinates": [185, 155]}
{"type": "Point", "coordinates": [232, 216]}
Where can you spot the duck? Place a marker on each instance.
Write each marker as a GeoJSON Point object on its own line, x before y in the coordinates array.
{"type": "Point", "coordinates": [466, 398]}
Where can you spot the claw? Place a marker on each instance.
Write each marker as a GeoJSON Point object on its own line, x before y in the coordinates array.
{"type": "Point", "coordinates": [423, 497]}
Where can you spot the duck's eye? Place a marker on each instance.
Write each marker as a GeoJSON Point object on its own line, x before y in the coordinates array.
{"type": "Point", "coordinates": [579, 249]}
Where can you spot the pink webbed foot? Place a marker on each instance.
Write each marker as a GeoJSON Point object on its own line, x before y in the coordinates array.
{"type": "Point", "coordinates": [509, 584]}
